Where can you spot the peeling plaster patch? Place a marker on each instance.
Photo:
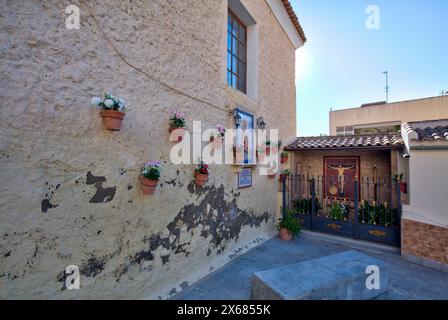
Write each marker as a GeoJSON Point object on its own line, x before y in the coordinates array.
{"type": "Point", "coordinates": [165, 259]}
{"type": "Point", "coordinates": [46, 204]}
{"type": "Point", "coordinates": [4, 155]}
{"type": "Point", "coordinates": [7, 254]}
{"type": "Point", "coordinates": [173, 292]}
{"type": "Point", "coordinates": [61, 277]}
{"type": "Point", "coordinates": [130, 187]}
{"type": "Point", "coordinates": [93, 267]}
{"type": "Point", "coordinates": [171, 182]}
{"type": "Point", "coordinates": [141, 256]}
{"type": "Point", "coordinates": [191, 187]}
{"type": "Point", "coordinates": [184, 285]}
{"type": "Point", "coordinates": [219, 220]}
{"type": "Point", "coordinates": [102, 195]}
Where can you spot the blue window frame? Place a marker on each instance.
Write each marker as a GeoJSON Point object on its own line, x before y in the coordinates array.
{"type": "Point", "coordinates": [236, 53]}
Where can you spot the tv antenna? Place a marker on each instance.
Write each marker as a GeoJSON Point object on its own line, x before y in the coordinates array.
{"type": "Point", "coordinates": [387, 86]}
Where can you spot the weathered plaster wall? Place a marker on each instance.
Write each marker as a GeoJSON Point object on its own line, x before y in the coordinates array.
{"type": "Point", "coordinates": [69, 192]}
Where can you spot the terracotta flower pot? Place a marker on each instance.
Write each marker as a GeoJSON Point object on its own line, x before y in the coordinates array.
{"type": "Point", "coordinates": [178, 134]}
{"type": "Point", "coordinates": [217, 142]}
{"type": "Point", "coordinates": [282, 177]}
{"type": "Point", "coordinates": [285, 234]}
{"type": "Point", "coordinates": [284, 160]}
{"type": "Point", "coordinates": [268, 151]}
{"type": "Point", "coordinates": [112, 119]}
{"type": "Point", "coordinates": [201, 179]}
{"type": "Point", "coordinates": [404, 187]}
{"type": "Point", "coordinates": [148, 186]}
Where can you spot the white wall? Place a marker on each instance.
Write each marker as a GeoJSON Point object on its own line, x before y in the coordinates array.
{"type": "Point", "coordinates": [428, 187]}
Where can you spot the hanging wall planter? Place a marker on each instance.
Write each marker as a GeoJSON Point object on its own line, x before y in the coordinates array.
{"type": "Point", "coordinates": [272, 147]}
{"type": "Point", "coordinates": [284, 175]}
{"type": "Point", "coordinates": [150, 177]}
{"type": "Point", "coordinates": [261, 155]}
{"type": "Point", "coordinates": [284, 157]}
{"type": "Point", "coordinates": [201, 174]}
{"type": "Point", "coordinates": [217, 142]}
{"type": "Point", "coordinates": [112, 112]}
{"type": "Point", "coordinates": [177, 127]}
{"type": "Point", "coordinates": [272, 171]}
{"type": "Point", "coordinates": [148, 186]}
{"type": "Point", "coordinates": [218, 138]}
{"type": "Point", "coordinates": [178, 134]}
{"type": "Point", "coordinates": [398, 178]}
{"type": "Point", "coordinates": [404, 187]}
{"type": "Point", "coordinates": [112, 119]}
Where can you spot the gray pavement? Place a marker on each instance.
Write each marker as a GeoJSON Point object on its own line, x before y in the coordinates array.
{"type": "Point", "coordinates": [232, 282]}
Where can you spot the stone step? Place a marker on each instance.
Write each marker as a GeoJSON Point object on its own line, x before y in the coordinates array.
{"type": "Point", "coordinates": [337, 277]}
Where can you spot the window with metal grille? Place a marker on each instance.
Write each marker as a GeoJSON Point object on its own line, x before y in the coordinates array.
{"type": "Point", "coordinates": [236, 53]}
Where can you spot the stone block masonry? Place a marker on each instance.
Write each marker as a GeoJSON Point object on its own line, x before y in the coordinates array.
{"type": "Point", "coordinates": [425, 241]}
{"type": "Point", "coordinates": [342, 276]}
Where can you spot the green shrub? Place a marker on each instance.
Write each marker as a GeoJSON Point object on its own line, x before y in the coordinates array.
{"type": "Point", "coordinates": [303, 206]}
{"type": "Point", "coordinates": [290, 222]}
{"type": "Point", "coordinates": [338, 211]}
{"type": "Point", "coordinates": [378, 214]}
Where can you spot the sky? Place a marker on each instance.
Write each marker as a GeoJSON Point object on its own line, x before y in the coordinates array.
{"type": "Point", "coordinates": [342, 63]}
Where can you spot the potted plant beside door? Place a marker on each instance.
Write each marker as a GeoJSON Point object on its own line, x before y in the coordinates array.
{"type": "Point", "coordinates": [177, 127]}
{"type": "Point", "coordinates": [201, 174]}
{"type": "Point", "coordinates": [288, 226]}
{"type": "Point", "coordinates": [150, 177]}
{"type": "Point", "coordinates": [113, 111]}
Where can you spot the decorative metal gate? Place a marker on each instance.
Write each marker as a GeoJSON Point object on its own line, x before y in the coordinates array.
{"type": "Point", "coordinates": [363, 209]}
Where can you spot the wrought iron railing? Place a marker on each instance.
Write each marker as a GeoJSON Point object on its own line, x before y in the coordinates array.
{"type": "Point", "coordinates": [369, 201]}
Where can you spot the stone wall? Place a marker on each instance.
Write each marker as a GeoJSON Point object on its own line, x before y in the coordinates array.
{"type": "Point", "coordinates": [425, 241]}
{"type": "Point", "coordinates": [69, 191]}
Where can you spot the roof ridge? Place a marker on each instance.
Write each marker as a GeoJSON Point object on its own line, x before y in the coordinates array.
{"type": "Point", "coordinates": [294, 19]}
{"type": "Point", "coordinates": [378, 140]}
{"type": "Point", "coordinates": [352, 135]}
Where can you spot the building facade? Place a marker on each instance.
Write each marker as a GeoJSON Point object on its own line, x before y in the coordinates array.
{"type": "Point", "coordinates": [425, 219]}
{"type": "Point", "coordinates": [70, 193]}
{"type": "Point", "coordinates": [384, 117]}
{"type": "Point", "coordinates": [397, 153]}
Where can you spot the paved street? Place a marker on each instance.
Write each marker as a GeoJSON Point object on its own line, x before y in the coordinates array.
{"type": "Point", "coordinates": [408, 280]}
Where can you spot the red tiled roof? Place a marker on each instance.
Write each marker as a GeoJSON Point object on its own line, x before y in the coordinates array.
{"type": "Point", "coordinates": [294, 19]}
{"type": "Point", "coordinates": [392, 140]}
{"type": "Point", "coordinates": [428, 130]}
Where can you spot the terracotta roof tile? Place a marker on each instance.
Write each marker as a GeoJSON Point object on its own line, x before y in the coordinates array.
{"type": "Point", "coordinates": [294, 19]}
{"type": "Point", "coordinates": [428, 130]}
{"type": "Point", "coordinates": [353, 141]}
